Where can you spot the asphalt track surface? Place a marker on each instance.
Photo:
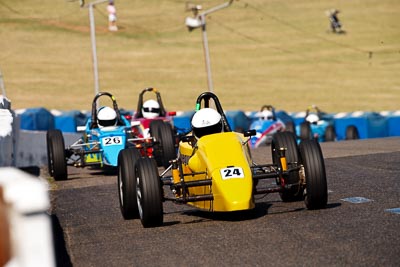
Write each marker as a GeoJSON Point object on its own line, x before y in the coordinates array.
{"type": "Point", "coordinates": [91, 231]}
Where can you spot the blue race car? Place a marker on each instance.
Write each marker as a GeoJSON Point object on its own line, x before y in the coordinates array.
{"type": "Point", "coordinates": [106, 133]}
{"type": "Point", "coordinates": [320, 125]}
{"type": "Point", "coordinates": [316, 125]}
{"type": "Point", "coordinates": [267, 122]}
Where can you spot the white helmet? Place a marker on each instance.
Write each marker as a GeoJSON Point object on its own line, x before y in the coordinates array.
{"type": "Point", "coordinates": [266, 115]}
{"type": "Point", "coordinates": [106, 116]}
{"type": "Point", "coordinates": [151, 109]}
{"type": "Point", "coordinates": [312, 118]}
{"type": "Point", "coordinates": [206, 121]}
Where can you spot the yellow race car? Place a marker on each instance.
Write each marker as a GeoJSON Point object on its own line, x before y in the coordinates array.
{"type": "Point", "coordinates": [214, 170]}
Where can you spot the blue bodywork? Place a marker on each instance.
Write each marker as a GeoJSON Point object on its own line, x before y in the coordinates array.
{"type": "Point", "coordinates": [100, 146]}
{"type": "Point", "coordinates": [105, 143]}
{"type": "Point", "coordinates": [266, 127]}
{"type": "Point", "coordinates": [264, 131]}
{"type": "Point", "coordinates": [317, 129]}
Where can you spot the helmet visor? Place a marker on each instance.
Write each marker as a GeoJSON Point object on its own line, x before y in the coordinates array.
{"type": "Point", "coordinates": [199, 132]}
{"type": "Point", "coordinates": [152, 110]}
{"type": "Point", "coordinates": [106, 123]}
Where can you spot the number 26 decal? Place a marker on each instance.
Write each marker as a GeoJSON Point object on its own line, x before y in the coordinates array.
{"type": "Point", "coordinates": [232, 172]}
{"type": "Point", "coordinates": [109, 141]}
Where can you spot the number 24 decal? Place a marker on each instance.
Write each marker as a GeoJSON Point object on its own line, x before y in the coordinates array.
{"type": "Point", "coordinates": [109, 141]}
{"type": "Point", "coordinates": [232, 172]}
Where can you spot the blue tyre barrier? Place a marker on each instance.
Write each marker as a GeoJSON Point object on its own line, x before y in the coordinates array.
{"type": "Point", "coordinates": [237, 120]}
{"type": "Point", "coordinates": [182, 121]}
{"type": "Point", "coordinates": [38, 119]}
{"type": "Point", "coordinates": [70, 120]}
{"type": "Point", "coordinates": [368, 124]}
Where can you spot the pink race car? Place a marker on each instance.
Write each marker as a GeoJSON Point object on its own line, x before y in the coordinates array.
{"type": "Point", "coordinates": [152, 120]}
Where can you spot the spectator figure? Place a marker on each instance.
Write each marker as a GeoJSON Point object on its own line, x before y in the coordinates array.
{"type": "Point", "coordinates": [336, 26]}
{"type": "Point", "coordinates": [112, 16]}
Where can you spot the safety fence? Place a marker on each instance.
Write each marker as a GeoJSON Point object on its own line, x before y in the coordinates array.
{"type": "Point", "coordinates": [25, 145]}
{"type": "Point", "coordinates": [369, 124]}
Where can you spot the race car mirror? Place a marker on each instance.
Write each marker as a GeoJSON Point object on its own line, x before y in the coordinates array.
{"type": "Point", "coordinates": [250, 133]}
{"type": "Point", "coordinates": [188, 138]}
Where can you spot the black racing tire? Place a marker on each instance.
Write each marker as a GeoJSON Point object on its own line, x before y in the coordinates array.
{"type": "Point", "coordinates": [49, 159]}
{"type": "Point", "coordinates": [352, 133]}
{"type": "Point", "coordinates": [164, 148]}
{"type": "Point", "coordinates": [330, 133]}
{"type": "Point", "coordinates": [316, 192]}
{"type": "Point", "coordinates": [290, 127]}
{"type": "Point", "coordinates": [57, 164]}
{"type": "Point", "coordinates": [149, 193]}
{"type": "Point", "coordinates": [288, 140]}
{"type": "Point", "coordinates": [127, 182]}
{"type": "Point", "coordinates": [157, 150]}
{"type": "Point", "coordinates": [305, 131]}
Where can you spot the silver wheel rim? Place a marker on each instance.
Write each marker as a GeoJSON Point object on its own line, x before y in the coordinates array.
{"type": "Point", "coordinates": [139, 196]}
{"type": "Point", "coordinates": [120, 185]}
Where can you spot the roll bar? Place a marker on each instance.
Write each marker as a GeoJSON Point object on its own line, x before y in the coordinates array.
{"type": "Point", "coordinates": [94, 109]}
{"type": "Point", "coordinates": [139, 113]}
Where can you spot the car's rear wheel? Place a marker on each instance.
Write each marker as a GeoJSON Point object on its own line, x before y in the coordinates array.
{"type": "Point", "coordinates": [352, 133]}
{"type": "Point", "coordinates": [305, 131]}
{"type": "Point", "coordinates": [290, 127]}
{"type": "Point", "coordinates": [164, 148]}
{"type": "Point", "coordinates": [316, 192]}
{"type": "Point", "coordinates": [57, 165]}
{"type": "Point", "coordinates": [330, 133]}
{"type": "Point", "coordinates": [287, 140]}
{"type": "Point", "coordinates": [127, 182]}
{"type": "Point", "coordinates": [149, 193]}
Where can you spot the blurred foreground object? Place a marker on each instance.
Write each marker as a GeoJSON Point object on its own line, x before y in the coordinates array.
{"type": "Point", "coordinates": [25, 227]}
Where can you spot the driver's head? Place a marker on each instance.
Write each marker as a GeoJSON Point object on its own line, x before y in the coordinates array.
{"type": "Point", "coordinates": [151, 109]}
{"type": "Point", "coordinates": [312, 118]}
{"type": "Point", "coordinates": [206, 121]}
{"type": "Point", "coordinates": [266, 115]}
{"type": "Point", "coordinates": [106, 116]}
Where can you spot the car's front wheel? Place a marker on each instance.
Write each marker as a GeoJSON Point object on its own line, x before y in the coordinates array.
{"type": "Point", "coordinates": [316, 192]}
{"type": "Point", "coordinates": [57, 165]}
{"type": "Point", "coordinates": [149, 193]}
{"type": "Point", "coordinates": [127, 182]}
